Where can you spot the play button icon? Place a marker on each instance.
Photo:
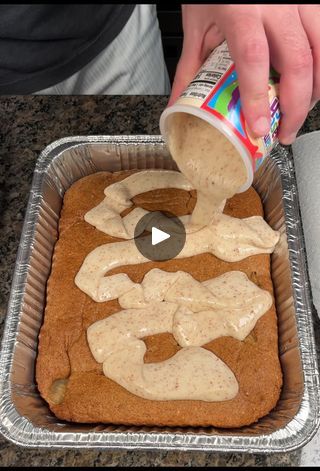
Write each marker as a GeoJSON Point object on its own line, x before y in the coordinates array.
{"type": "Point", "coordinates": [159, 236]}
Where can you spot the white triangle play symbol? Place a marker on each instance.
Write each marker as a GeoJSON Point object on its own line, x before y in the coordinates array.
{"type": "Point", "coordinates": [158, 236]}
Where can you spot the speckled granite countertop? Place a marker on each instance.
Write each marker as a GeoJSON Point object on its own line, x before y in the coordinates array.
{"type": "Point", "coordinates": [28, 124]}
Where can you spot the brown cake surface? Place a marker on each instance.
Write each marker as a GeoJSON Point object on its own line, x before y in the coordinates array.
{"type": "Point", "coordinates": [73, 383]}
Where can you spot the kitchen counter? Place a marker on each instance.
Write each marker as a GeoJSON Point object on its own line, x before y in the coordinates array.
{"type": "Point", "coordinates": [28, 125]}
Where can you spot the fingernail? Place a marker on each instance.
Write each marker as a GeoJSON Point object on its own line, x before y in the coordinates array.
{"type": "Point", "coordinates": [261, 126]}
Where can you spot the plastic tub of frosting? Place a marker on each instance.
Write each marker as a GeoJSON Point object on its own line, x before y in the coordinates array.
{"type": "Point", "coordinates": [213, 95]}
{"type": "Point", "coordinates": [25, 417]}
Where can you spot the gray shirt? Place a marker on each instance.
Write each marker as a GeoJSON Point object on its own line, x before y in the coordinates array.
{"type": "Point", "coordinates": [41, 45]}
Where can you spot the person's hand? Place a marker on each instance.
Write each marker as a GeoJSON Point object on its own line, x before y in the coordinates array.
{"type": "Point", "coordinates": [287, 36]}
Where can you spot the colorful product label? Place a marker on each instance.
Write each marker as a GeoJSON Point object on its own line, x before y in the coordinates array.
{"type": "Point", "coordinates": [215, 89]}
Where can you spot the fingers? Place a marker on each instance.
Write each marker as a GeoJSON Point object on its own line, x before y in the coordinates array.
{"type": "Point", "coordinates": [292, 58]}
{"type": "Point", "coordinates": [287, 36]}
{"type": "Point", "coordinates": [249, 50]}
{"type": "Point", "coordinates": [310, 18]}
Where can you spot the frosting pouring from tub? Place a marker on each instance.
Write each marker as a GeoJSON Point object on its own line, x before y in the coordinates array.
{"type": "Point", "coordinates": [194, 312]}
{"type": "Point", "coordinates": [209, 161]}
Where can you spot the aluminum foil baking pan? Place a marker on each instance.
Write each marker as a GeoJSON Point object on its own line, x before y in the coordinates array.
{"type": "Point", "coordinates": [25, 417]}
